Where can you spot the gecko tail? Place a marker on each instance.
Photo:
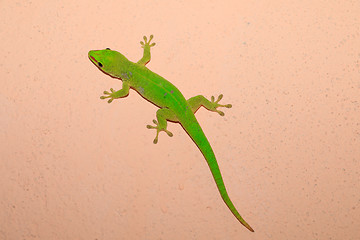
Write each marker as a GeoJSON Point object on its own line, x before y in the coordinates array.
{"type": "Point", "coordinates": [248, 227]}
{"type": "Point", "coordinates": [195, 132]}
{"type": "Point", "coordinates": [229, 204]}
{"type": "Point", "coordinates": [221, 187]}
{"type": "Point", "coordinates": [241, 220]}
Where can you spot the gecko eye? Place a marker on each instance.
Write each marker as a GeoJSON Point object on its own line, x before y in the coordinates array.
{"type": "Point", "coordinates": [107, 48]}
{"type": "Point", "coordinates": [100, 64]}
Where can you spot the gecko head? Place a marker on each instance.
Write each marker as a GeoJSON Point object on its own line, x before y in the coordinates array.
{"type": "Point", "coordinates": [107, 60]}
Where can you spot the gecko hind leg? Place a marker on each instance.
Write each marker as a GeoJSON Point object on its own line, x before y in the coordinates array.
{"type": "Point", "coordinates": [198, 101]}
{"type": "Point", "coordinates": [162, 116]}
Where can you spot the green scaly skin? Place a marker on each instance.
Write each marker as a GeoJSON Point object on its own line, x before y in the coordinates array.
{"type": "Point", "coordinates": [173, 106]}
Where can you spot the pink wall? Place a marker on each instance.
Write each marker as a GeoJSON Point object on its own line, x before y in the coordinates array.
{"type": "Point", "coordinates": [74, 167]}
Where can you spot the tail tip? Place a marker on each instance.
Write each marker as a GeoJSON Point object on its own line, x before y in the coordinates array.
{"type": "Point", "coordinates": [248, 227]}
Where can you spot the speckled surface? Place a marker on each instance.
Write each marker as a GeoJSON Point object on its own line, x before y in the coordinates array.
{"type": "Point", "coordinates": [74, 167]}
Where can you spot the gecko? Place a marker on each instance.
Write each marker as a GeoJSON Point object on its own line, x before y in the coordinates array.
{"type": "Point", "coordinates": [173, 105]}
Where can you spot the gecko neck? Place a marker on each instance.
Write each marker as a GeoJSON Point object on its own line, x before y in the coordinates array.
{"type": "Point", "coordinates": [122, 68]}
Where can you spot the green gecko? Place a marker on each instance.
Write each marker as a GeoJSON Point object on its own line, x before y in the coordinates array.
{"type": "Point", "coordinates": [173, 105]}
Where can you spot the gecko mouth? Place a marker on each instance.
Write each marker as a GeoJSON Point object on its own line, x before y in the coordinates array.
{"type": "Point", "coordinates": [93, 59]}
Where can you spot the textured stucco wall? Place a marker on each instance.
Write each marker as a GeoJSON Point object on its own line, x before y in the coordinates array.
{"type": "Point", "coordinates": [74, 167]}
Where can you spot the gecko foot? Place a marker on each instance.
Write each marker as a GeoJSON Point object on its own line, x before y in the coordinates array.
{"type": "Point", "coordinates": [215, 105]}
{"type": "Point", "coordinates": [110, 94]}
{"type": "Point", "coordinates": [158, 130]}
{"type": "Point", "coordinates": [146, 43]}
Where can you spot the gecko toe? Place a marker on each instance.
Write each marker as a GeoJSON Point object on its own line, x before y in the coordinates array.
{"type": "Point", "coordinates": [170, 134]}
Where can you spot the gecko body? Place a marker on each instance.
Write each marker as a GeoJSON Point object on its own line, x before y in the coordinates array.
{"type": "Point", "coordinates": [173, 105]}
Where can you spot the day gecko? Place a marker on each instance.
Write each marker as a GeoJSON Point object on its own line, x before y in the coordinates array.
{"type": "Point", "coordinates": [173, 105]}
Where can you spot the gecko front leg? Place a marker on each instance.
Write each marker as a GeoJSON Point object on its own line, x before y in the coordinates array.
{"type": "Point", "coordinates": [117, 94]}
{"type": "Point", "coordinates": [146, 46]}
